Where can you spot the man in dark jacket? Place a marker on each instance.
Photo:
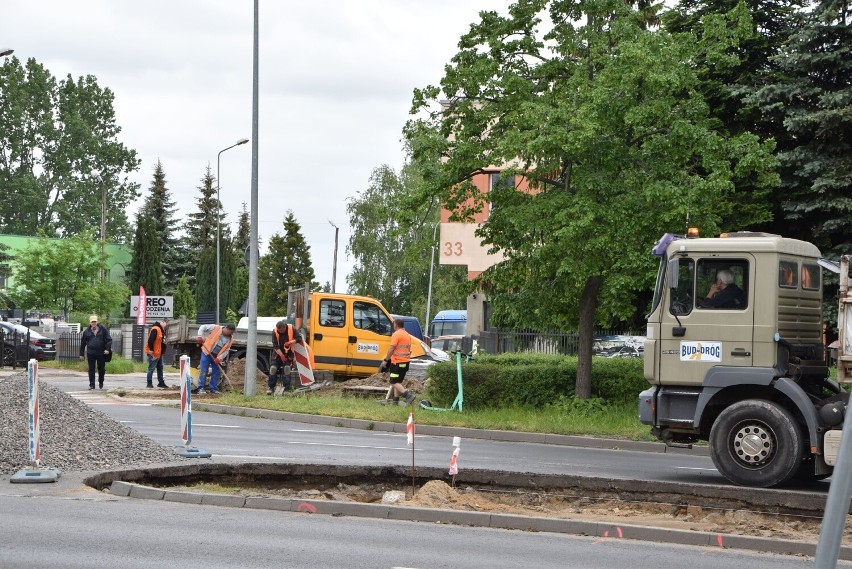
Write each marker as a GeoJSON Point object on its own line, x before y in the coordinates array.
{"type": "Point", "coordinates": [96, 344]}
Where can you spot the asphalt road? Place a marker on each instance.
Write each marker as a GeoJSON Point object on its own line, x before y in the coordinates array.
{"type": "Point", "coordinates": [87, 530]}
{"type": "Point", "coordinates": [68, 526]}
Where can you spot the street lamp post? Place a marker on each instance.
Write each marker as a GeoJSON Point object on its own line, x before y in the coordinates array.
{"type": "Point", "coordinates": [334, 267]}
{"type": "Point", "coordinates": [218, 222]}
{"type": "Point", "coordinates": [431, 264]}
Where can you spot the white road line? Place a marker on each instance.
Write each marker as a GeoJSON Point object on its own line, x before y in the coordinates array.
{"type": "Point", "coordinates": [356, 431]}
{"type": "Point", "coordinates": [696, 468]}
{"type": "Point", "coordinates": [218, 426]}
{"type": "Point", "coordinates": [344, 446]}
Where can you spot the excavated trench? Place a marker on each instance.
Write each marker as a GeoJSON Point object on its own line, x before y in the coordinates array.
{"type": "Point", "coordinates": [786, 514]}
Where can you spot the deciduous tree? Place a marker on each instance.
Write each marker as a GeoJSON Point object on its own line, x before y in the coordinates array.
{"type": "Point", "coordinates": [55, 138]}
{"type": "Point", "coordinates": [604, 119]}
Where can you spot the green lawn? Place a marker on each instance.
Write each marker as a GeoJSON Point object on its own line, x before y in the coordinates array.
{"type": "Point", "coordinates": [613, 420]}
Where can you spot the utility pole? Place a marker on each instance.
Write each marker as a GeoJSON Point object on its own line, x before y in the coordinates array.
{"type": "Point", "coordinates": [334, 267]}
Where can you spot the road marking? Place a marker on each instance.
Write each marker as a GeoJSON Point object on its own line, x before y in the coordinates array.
{"type": "Point", "coordinates": [219, 426]}
{"type": "Point", "coordinates": [696, 468]}
{"type": "Point", "coordinates": [345, 446]}
{"type": "Point", "coordinates": [354, 431]}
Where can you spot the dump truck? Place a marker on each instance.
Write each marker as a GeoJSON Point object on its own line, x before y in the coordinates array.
{"type": "Point", "coordinates": [746, 370]}
{"type": "Point", "coordinates": [181, 335]}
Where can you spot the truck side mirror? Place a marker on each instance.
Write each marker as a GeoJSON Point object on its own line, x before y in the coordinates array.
{"type": "Point", "coordinates": [673, 272]}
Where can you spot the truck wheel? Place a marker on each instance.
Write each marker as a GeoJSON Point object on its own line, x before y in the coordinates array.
{"type": "Point", "coordinates": [756, 443]}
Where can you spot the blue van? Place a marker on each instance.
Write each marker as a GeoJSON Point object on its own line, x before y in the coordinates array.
{"type": "Point", "coordinates": [449, 323]}
{"type": "Point", "coordinates": [412, 325]}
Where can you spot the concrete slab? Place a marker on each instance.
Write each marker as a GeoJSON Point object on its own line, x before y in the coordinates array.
{"type": "Point", "coordinates": [226, 500]}
{"type": "Point", "coordinates": [267, 503]}
{"type": "Point", "coordinates": [120, 488]}
{"type": "Point", "coordinates": [146, 493]}
{"type": "Point", "coordinates": [182, 497]}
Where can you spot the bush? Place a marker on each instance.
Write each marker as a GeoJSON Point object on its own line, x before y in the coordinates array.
{"type": "Point", "coordinates": [536, 380]}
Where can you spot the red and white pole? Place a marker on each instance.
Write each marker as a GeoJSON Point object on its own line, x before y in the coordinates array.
{"type": "Point", "coordinates": [34, 412]}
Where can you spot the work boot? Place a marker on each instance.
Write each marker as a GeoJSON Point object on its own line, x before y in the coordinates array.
{"type": "Point", "coordinates": [409, 396]}
{"type": "Point", "coordinates": [150, 386]}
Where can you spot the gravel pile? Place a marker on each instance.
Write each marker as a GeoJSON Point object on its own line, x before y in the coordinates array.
{"type": "Point", "coordinates": [74, 437]}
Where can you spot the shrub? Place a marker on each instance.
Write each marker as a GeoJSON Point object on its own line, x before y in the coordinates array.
{"type": "Point", "coordinates": [536, 380]}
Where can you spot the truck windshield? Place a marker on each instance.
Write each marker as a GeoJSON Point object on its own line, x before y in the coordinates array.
{"type": "Point", "coordinates": [448, 328]}
{"type": "Point", "coordinates": [661, 279]}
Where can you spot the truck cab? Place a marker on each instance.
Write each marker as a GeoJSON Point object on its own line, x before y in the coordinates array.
{"type": "Point", "coordinates": [734, 354]}
{"type": "Point", "coordinates": [349, 334]}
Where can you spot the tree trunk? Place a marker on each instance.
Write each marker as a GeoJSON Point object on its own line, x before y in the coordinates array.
{"type": "Point", "coordinates": [588, 306]}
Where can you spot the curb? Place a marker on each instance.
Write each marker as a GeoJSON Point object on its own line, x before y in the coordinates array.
{"type": "Point", "coordinates": [604, 530]}
{"type": "Point", "coordinates": [464, 432]}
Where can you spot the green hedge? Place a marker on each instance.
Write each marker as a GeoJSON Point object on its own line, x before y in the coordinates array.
{"type": "Point", "coordinates": [532, 379]}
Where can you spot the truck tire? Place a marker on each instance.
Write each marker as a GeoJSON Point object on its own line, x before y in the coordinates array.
{"type": "Point", "coordinates": [756, 443]}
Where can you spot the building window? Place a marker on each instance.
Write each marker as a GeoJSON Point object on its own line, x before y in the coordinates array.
{"type": "Point", "coordinates": [497, 180]}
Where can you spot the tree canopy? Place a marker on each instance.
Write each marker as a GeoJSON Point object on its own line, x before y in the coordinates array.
{"type": "Point", "coordinates": [59, 153]}
{"type": "Point", "coordinates": [286, 263]}
{"type": "Point", "coordinates": [603, 118]}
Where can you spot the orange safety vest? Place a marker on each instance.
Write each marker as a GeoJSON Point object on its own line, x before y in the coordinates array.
{"type": "Point", "coordinates": [157, 332]}
{"type": "Point", "coordinates": [401, 344]}
{"type": "Point", "coordinates": [290, 336]}
{"type": "Point", "coordinates": [211, 340]}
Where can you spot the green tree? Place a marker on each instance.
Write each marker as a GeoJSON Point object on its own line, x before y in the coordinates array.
{"type": "Point", "coordinates": [64, 275]}
{"type": "Point", "coordinates": [392, 227]}
{"type": "Point", "coordinates": [145, 267]}
{"type": "Point", "coordinates": [286, 263]}
{"type": "Point", "coordinates": [604, 119]}
{"type": "Point", "coordinates": [5, 272]}
{"type": "Point", "coordinates": [201, 228]}
{"type": "Point", "coordinates": [184, 301]}
{"type": "Point", "coordinates": [814, 98]}
{"type": "Point", "coordinates": [55, 138]}
{"type": "Point", "coordinates": [241, 272]}
{"type": "Point", "coordinates": [160, 207]}
{"type": "Point", "coordinates": [729, 89]}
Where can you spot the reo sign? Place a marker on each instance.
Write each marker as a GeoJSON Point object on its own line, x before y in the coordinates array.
{"type": "Point", "coordinates": [158, 307]}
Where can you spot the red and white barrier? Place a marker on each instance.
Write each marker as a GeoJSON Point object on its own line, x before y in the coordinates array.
{"type": "Point", "coordinates": [454, 460]}
{"type": "Point", "coordinates": [185, 401]}
{"type": "Point", "coordinates": [303, 364]}
{"type": "Point", "coordinates": [34, 412]}
{"type": "Point", "coordinates": [409, 429]}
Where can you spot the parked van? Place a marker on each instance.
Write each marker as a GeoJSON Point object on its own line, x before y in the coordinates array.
{"type": "Point", "coordinates": [412, 325]}
{"type": "Point", "coordinates": [349, 335]}
{"type": "Point", "coordinates": [449, 323]}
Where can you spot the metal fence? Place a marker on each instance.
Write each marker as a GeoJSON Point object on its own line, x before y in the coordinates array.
{"type": "Point", "coordinates": [509, 341]}
{"type": "Point", "coordinates": [68, 344]}
{"type": "Point", "coordinates": [15, 349]}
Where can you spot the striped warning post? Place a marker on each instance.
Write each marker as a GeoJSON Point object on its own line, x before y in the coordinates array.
{"type": "Point", "coordinates": [34, 412]}
{"type": "Point", "coordinates": [303, 364]}
{"type": "Point", "coordinates": [185, 401]}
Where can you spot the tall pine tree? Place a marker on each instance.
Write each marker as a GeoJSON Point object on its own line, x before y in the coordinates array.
{"type": "Point", "coordinates": [201, 227]}
{"type": "Point", "coordinates": [241, 272]}
{"type": "Point", "coordinates": [286, 263]}
{"type": "Point", "coordinates": [160, 207]}
{"type": "Point", "coordinates": [145, 266]}
{"type": "Point", "coordinates": [814, 97]}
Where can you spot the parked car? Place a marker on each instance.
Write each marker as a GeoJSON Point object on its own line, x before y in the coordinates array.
{"type": "Point", "coordinates": [450, 343]}
{"type": "Point", "coordinates": [41, 347]}
{"type": "Point", "coordinates": [619, 346]}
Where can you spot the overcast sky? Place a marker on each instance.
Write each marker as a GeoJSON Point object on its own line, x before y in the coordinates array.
{"type": "Point", "coordinates": [336, 80]}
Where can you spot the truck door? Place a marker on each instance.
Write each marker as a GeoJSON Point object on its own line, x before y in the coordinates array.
{"type": "Point", "coordinates": [329, 335]}
{"type": "Point", "coordinates": [369, 337]}
{"type": "Point", "coordinates": [707, 322]}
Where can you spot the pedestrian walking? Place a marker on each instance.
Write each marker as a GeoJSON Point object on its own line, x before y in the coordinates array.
{"type": "Point", "coordinates": [154, 348]}
{"type": "Point", "coordinates": [96, 345]}
{"type": "Point", "coordinates": [215, 341]}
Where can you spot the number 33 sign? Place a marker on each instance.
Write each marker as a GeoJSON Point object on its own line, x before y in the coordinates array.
{"type": "Point", "coordinates": [452, 249]}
